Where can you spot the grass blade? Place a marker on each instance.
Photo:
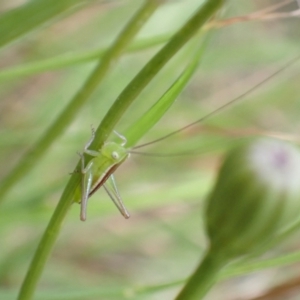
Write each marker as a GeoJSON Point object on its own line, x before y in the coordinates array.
{"type": "Point", "coordinates": [82, 96]}
{"type": "Point", "coordinates": [121, 104]}
{"type": "Point", "coordinates": [33, 14]}
{"type": "Point", "coordinates": [73, 59]}
{"type": "Point", "coordinates": [50, 235]}
{"type": "Point", "coordinates": [156, 112]}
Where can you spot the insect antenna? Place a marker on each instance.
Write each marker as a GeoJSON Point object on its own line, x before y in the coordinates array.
{"type": "Point", "coordinates": [165, 154]}
{"type": "Point", "coordinates": [219, 109]}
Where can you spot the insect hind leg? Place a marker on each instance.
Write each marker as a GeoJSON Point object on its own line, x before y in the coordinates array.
{"type": "Point", "coordinates": [112, 191]}
{"type": "Point", "coordinates": [86, 183]}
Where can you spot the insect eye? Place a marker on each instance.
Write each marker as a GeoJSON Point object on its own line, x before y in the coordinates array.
{"type": "Point", "coordinates": [115, 155]}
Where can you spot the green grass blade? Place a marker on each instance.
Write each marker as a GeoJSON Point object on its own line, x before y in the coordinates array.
{"type": "Point", "coordinates": [123, 101]}
{"type": "Point", "coordinates": [140, 81]}
{"type": "Point", "coordinates": [230, 272]}
{"type": "Point", "coordinates": [238, 269]}
{"type": "Point", "coordinates": [82, 96]}
{"type": "Point", "coordinates": [52, 230]}
{"type": "Point", "coordinates": [156, 112]}
{"type": "Point", "coordinates": [250, 267]}
{"type": "Point", "coordinates": [119, 107]}
{"type": "Point", "coordinates": [72, 59]}
{"type": "Point", "coordinates": [32, 14]}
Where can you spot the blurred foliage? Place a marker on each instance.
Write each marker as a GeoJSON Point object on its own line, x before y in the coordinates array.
{"type": "Point", "coordinates": [107, 256]}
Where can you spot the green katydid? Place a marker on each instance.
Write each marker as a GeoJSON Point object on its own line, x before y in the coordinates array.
{"type": "Point", "coordinates": [99, 170]}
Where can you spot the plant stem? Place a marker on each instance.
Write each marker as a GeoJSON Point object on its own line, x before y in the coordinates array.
{"type": "Point", "coordinates": [72, 59]}
{"type": "Point", "coordinates": [203, 278]}
{"type": "Point", "coordinates": [139, 82]}
{"type": "Point", "coordinates": [107, 125]}
{"type": "Point", "coordinates": [44, 248]}
{"type": "Point", "coordinates": [68, 114]}
{"type": "Point", "coordinates": [40, 12]}
{"type": "Point", "coordinates": [52, 230]}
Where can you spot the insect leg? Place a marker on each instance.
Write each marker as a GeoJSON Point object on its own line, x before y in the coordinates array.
{"type": "Point", "coordinates": [122, 137]}
{"type": "Point", "coordinates": [90, 140]}
{"type": "Point", "coordinates": [86, 183]}
{"type": "Point", "coordinates": [86, 150]}
{"type": "Point", "coordinates": [112, 191]}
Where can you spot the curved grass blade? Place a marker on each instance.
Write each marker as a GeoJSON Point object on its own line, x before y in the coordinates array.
{"type": "Point", "coordinates": [21, 20]}
{"type": "Point", "coordinates": [117, 110]}
{"type": "Point", "coordinates": [68, 114]}
{"type": "Point", "coordinates": [142, 79]}
{"type": "Point", "coordinates": [156, 112]}
{"type": "Point", "coordinates": [72, 59]}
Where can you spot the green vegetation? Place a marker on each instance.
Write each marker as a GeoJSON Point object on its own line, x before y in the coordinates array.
{"type": "Point", "coordinates": [51, 56]}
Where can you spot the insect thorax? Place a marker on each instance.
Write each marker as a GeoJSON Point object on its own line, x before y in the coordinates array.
{"type": "Point", "coordinates": [114, 152]}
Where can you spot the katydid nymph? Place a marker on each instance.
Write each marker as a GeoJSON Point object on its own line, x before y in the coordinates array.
{"type": "Point", "coordinates": [99, 171]}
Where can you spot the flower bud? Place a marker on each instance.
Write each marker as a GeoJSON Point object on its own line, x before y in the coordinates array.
{"type": "Point", "coordinates": [256, 197]}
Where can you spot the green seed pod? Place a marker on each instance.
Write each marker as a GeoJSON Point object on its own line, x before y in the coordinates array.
{"type": "Point", "coordinates": [256, 197]}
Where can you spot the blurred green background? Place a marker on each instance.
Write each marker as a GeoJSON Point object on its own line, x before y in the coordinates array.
{"type": "Point", "coordinates": [108, 257]}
